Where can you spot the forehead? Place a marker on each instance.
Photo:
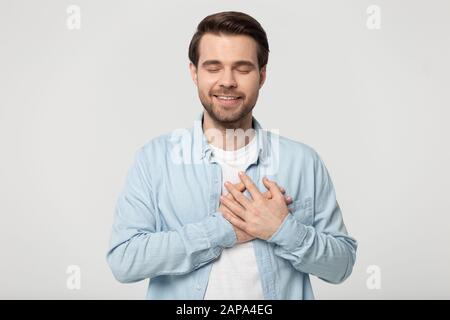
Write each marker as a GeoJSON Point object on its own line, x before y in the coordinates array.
{"type": "Point", "coordinates": [227, 48]}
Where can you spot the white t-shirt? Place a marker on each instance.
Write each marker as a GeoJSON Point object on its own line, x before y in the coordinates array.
{"type": "Point", "coordinates": [235, 275]}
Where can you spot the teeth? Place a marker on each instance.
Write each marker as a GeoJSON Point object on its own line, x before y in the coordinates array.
{"type": "Point", "coordinates": [227, 97]}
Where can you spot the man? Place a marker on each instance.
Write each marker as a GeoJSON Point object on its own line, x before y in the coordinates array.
{"type": "Point", "coordinates": [226, 210]}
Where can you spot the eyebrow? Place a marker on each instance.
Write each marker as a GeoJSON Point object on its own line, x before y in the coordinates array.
{"type": "Point", "coordinates": [235, 64]}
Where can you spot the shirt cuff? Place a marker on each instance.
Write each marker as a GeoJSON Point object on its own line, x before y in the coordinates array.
{"type": "Point", "coordinates": [219, 231]}
{"type": "Point", "coordinates": [290, 234]}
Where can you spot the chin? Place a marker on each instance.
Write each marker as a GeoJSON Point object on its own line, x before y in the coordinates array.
{"type": "Point", "coordinates": [231, 118]}
{"type": "Point", "coordinates": [225, 114]}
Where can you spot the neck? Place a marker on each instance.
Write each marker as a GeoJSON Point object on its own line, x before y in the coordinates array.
{"type": "Point", "coordinates": [230, 135]}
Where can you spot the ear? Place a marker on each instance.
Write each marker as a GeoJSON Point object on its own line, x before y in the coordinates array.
{"type": "Point", "coordinates": [193, 70]}
{"type": "Point", "coordinates": [262, 76]}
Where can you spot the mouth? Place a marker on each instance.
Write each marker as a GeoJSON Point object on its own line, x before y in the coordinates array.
{"type": "Point", "coordinates": [228, 100]}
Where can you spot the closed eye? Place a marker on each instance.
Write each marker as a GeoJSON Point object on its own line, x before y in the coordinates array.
{"type": "Point", "coordinates": [244, 70]}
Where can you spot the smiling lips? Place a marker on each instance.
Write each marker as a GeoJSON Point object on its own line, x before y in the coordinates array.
{"type": "Point", "coordinates": [228, 100]}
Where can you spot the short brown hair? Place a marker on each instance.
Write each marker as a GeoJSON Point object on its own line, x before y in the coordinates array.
{"type": "Point", "coordinates": [231, 22]}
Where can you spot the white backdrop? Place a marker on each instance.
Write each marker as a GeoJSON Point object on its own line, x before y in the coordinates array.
{"type": "Point", "coordinates": [367, 87]}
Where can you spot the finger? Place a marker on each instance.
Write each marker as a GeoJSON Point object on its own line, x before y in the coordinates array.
{"type": "Point", "coordinates": [233, 206]}
{"type": "Point", "coordinates": [288, 199]}
{"type": "Point", "coordinates": [224, 209]}
{"type": "Point", "coordinates": [229, 196]}
{"type": "Point", "coordinates": [250, 186]}
{"type": "Point", "coordinates": [235, 221]}
{"type": "Point", "coordinates": [232, 202]}
{"type": "Point", "coordinates": [230, 214]}
{"type": "Point", "coordinates": [267, 195]}
{"type": "Point", "coordinates": [273, 187]}
{"type": "Point", "coordinates": [266, 183]}
{"type": "Point", "coordinates": [238, 196]}
{"type": "Point", "coordinates": [240, 186]}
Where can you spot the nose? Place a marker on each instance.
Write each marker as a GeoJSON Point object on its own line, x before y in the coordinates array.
{"type": "Point", "coordinates": [227, 80]}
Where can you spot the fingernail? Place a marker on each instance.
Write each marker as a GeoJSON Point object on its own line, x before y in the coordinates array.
{"type": "Point", "coordinates": [227, 183]}
{"type": "Point", "coordinates": [241, 173]}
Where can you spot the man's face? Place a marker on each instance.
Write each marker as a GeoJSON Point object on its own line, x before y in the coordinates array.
{"type": "Point", "coordinates": [227, 76]}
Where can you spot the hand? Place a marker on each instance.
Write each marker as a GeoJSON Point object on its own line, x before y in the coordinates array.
{"type": "Point", "coordinates": [259, 217]}
{"type": "Point", "coordinates": [241, 235]}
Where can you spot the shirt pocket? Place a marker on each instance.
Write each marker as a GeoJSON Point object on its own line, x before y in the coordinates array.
{"type": "Point", "coordinates": [302, 210]}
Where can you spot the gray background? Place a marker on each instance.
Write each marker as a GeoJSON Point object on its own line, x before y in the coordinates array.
{"type": "Point", "coordinates": [76, 104]}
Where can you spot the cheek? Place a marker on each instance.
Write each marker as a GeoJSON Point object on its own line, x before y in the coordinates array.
{"type": "Point", "coordinates": [249, 85]}
{"type": "Point", "coordinates": [206, 83]}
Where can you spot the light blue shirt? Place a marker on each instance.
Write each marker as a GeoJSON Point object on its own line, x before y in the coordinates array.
{"type": "Point", "coordinates": [167, 226]}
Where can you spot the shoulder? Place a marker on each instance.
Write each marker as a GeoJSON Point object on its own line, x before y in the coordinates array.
{"type": "Point", "coordinates": [160, 145]}
{"type": "Point", "coordinates": [292, 148]}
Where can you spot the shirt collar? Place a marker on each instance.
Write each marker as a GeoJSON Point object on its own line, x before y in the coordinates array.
{"type": "Point", "coordinates": [202, 148]}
